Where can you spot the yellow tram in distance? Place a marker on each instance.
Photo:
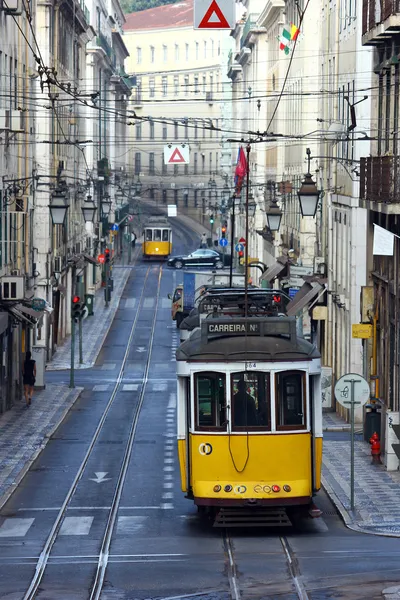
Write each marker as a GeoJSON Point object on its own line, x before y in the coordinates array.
{"type": "Point", "coordinates": [249, 419]}
{"type": "Point", "coordinates": [157, 238]}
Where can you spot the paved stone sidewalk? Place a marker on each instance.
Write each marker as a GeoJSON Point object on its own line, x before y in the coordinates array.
{"type": "Point", "coordinates": [376, 491]}
{"type": "Point", "coordinates": [24, 432]}
{"type": "Point", "coordinates": [94, 328]}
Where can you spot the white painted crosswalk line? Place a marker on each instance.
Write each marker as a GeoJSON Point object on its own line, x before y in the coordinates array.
{"type": "Point", "coordinates": [130, 524]}
{"type": "Point", "coordinates": [76, 525]}
{"type": "Point", "coordinates": [15, 527]}
{"type": "Point", "coordinates": [148, 303]}
{"type": "Point", "coordinates": [130, 387]}
{"type": "Point", "coordinates": [130, 303]}
{"type": "Point", "coordinates": [165, 303]}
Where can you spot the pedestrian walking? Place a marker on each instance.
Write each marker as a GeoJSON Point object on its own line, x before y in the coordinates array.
{"type": "Point", "coordinates": [133, 239]}
{"type": "Point", "coordinates": [203, 240]}
{"type": "Point", "coordinates": [29, 375]}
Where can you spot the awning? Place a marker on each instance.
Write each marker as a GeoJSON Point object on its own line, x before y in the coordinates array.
{"type": "Point", "coordinates": [274, 270]}
{"type": "Point", "coordinates": [3, 322]}
{"type": "Point", "coordinates": [35, 314]}
{"type": "Point", "coordinates": [89, 258]}
{"type": "Point", "coordinates": [23, 317]}
{"type": "Point", "coordinates": [305, 295]}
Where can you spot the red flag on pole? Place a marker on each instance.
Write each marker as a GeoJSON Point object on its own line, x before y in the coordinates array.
{"type": "Point", "coordinates": [241, 170]}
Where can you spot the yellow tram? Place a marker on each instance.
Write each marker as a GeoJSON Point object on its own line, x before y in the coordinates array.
{"type": "Point", "coordinates": [157, 238]}
{"type": "Point", "coordinates": [249, 414]}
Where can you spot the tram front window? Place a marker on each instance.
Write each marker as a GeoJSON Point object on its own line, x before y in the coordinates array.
{"type": "Point", "coordinates": [165, 235]}
{"type": "Point", "coordinates": [250, 400]}
{"type": "Point", "coordinates": [290, 404]}
{"type": "Point", "coordinates": [157, 235]}
{"type": "Point", "coordinates": [149, 235]}
{"type": "Point", "coordinates": [210, 399]}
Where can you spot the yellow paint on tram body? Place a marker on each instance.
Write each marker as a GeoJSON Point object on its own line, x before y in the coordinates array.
{"type": "Point", "coordinates": [156, 248]}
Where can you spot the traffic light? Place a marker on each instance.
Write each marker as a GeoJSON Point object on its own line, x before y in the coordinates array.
{"type": "Point", "coordinates": [107, 255]}
{"type": "Point", "coordinates": [77, 308]}
{"type": "Point", "coordinates": [241, 255]}
{"type": "Point", "coordinates": [223, 231]}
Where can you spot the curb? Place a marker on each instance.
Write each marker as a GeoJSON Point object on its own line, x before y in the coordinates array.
{"type": "Point", "coordinates": [391, 593]}
{"type": "Point", "coordinates": [348, 519]}
{"type": "Point", "coordinates": [46, 438]}
{"type": "Point", "coordinates": [337, 428]}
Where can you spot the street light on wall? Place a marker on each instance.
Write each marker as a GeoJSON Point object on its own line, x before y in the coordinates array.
{"type": "Point", "coordinates": [58, 207]}
{"type": "Point", "coordinates": [308, 193]}
{"type": "Point", "coordinates": [89, 210]}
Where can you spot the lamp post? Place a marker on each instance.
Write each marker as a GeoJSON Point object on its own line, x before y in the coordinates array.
{"type": "Point", "coordinates": [308, 193]}
{"type": "Point", "coordinates": [89, 210]}
{"type": "Point", "coordinates": [105, 206]}
{"type": "Point", "coordinates": [58, 207]}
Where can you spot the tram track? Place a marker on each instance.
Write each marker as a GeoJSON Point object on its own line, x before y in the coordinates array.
{"type": "Point", "coordinates": [102, 562]}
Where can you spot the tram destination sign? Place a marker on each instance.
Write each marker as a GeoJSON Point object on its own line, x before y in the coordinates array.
{"type": "Point", "coordinates": [246, 328]}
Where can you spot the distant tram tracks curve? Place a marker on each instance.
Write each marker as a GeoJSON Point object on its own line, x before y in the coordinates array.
{"type": "Point", "coordinates": [293, 569]}
{"type": "Point", "coordinates": [105, 545]}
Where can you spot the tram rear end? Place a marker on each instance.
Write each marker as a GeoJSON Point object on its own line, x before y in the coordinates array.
{"type": "Point", "coordinates": [249, 414]}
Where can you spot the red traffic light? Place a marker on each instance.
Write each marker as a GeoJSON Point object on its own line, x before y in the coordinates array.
{"type": "Point", "coordinates": [76, 299]}
{"type": "Point", "coordinates": [241, 253]}
{"type": "Point", "coordinates": [107, 251]}
{"type": "Point", "coordinates": [276, 299]}
{"type": "Point", "coordinates": [223, 229]}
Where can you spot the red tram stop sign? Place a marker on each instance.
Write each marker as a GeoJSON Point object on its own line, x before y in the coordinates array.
{"type": "Point", "coordinates": [101, 258]}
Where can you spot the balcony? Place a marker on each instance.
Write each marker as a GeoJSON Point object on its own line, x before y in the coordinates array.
{"type": "Point", "coordinates": [380, 180]}
{"type": "Point", "coordinates": [380, 21]}
{"type": "Point", "coordinates": [234, 69]}
{"type": "Point", "coordinates": [102, 42]}
{"type": "Point", "coordinates": [250, 30]}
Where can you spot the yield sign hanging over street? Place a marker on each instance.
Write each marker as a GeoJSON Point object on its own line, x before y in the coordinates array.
{"type": "Point", "coordinates": [214, 14]}
{"type": "Point", "coordinates": [176, 155]}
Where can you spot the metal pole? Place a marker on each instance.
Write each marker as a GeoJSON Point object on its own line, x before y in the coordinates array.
{"type": "Point", "coordinates": [352, 402]}
{"type": "Point", "coordinates": [246, 247]}
{"type": "Point", "coordinates": [129, 247]}
{"type": "Point", "coordinates": [106, 275]}
{"type": "Point", "coordinates": [71, 372]}
{"type": "Point", "coordinates": [80, 342]}
{"type": "Point", "coordinates": [232, 239]}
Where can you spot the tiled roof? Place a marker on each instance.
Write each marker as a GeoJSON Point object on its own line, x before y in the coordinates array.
{"type": "Point", "coordinates": [162, 17]}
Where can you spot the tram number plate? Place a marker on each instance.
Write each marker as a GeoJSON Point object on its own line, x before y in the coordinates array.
{"type": "Point", "coordinates": [250, 365]}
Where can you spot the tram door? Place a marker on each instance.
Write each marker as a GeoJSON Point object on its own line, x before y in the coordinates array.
{"type": "Point", "coordinates": [188, 428]}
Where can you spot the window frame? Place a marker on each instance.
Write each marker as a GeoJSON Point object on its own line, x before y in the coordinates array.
{"type": "Point", "coordinates": [250, 428]}
{"type": "Point", "coordinates": [304, 401]}
{"type": "Point", "coordinates": [213, 428]}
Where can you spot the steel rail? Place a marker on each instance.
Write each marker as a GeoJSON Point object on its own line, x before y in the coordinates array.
{"type": "Point", "coordinates": [105, 547]}
{"type": "Point", "coordinates": [45, 554]}
{"type": "Point", "coordinates": [232, 572]}
{"type": "Point", "coordinates": [294, 570]}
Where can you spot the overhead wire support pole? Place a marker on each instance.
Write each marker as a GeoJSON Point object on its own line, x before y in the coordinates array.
{"type": "Point", "coordinates": [232, 238]}
{"type": "Point", "coordinates": [246, 247]}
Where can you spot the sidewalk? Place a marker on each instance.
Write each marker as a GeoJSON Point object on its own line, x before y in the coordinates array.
{"type": "Point", "coordinates": [376, 491]}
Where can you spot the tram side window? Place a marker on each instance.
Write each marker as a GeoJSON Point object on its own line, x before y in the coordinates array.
{"type": "Point", "coordinates": [157, 235]}
{"type": "Point", "coordinates": [210, 401]}
{"type": "Point", "coordinates": [149, 235]}
{"type": "Point", "coordinates": [251, 400]}
{"type": "Point", "coordinates": [165, 235]}
{"type": "Point", "coordinates": [290, 400]}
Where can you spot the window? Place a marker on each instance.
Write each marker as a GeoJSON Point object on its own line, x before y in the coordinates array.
{"type": "Point", "coordinates": [139, 90]}
{"type": "Point", "coordinates": [197, 50]}
{"type": "Point", "coordinates": [219, 48]}
{"type": "Point", "coordinates": [151, 54]}
{"type": "Point", "coordinates": [186, 169]}
{"type": "Point", "coordinates": [138, 131]}
{"type": "Point", "coordinates": [203, 163]}
{"type": "Point", "coordinates": [196, 201]}
{"type": "Point", "coordinates": [211, 161]}
{"type": "Point", "coordinates": [204, 84]}
{"type": "Point", "coordinates": [176, 85]}
{"type": "Point", "coordinates": [138, 55]}
{"type": "Point", "coordinates": [195, 163]}
{"type": "Point", "coordinates": [149, 235]}
{"type": "Point", "coordinates": [205, 49]}
{"type": "Point", "coordinates": [250, 400]}
{"type": "Point", "coordinates": [151, 163]}
{"type": "Point", "coordinates": [290, 400]}
{"type": "Point", "coordinates": [186, 198]}
{"type": "Point", "coordinates": [164, 81]}
{"type": "Point", "coordinates": [151, 130]}
{"type": "Point", "coordinates": [164, 196]}
{"type": "Point", "coordinates": [165, 53]}
{"type": "Point", "coordinates": [186, 130]}
{"type": "Point", "coordinates": [187, 51]}
{"type": "Point", "coordinates": [157, 235]}
{"type": "Point", "coordinates": [138, 163]}
{"type": "Point", "coordinates": [164, 131]}
{"type": "Point", "coordinates": [196, 84]}
{"type": "Point", "coordinates": [211, 83]}
{"type": "Point", "coordinates": [212, 48]}
{"type": "Point", "coordinates": [165, 235]}
{"type": "Point", "coordinates": [152, 193]}
{"type": "Point", "coordinates": [164, 166]}
{"type": "Point", "coordinates": [176, 52]}
{"type": "Point", "coordinates": [196, 131]}
{"type": "Point", "coordinates": [176, 196]}
{"type": "Point", "coordinates": [175, 169]}
{"type": "Point", "coordinates": [186, 80]}
{"type": "Point", "coordinates": [210, 394]}
{"type": "Point", "coordinates": [204, 129]}
{"type": "Point", "coordinates": [152, 92]}
{"type": "Point", "coordinates": [176, 130]}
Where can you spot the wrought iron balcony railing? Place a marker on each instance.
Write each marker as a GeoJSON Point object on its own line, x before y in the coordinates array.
{"type": "Point", "coordinates": [380, 179]}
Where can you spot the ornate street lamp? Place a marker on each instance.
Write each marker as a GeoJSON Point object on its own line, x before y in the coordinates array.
{"type": "Point", "coordinates": [89, 210]}
{"type": "Point", "coordinates": [106, 205]}
{"type": "Point", "coordinates": [138, 186]}
{"type": "Point", "coordinates": [274, 216]}
{"type": "Point", "coordinates": [308, 193]}
{"type": "Point", "coordinates": [58, 207]}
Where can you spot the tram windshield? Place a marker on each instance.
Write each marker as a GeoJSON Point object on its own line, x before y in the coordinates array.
{"type": "Point", "coordinates": [165, 235]}
{"type": "Point", "coordinates": [290, 400]}
{"type": "Point", "coordinates": [211, 404]}
{"type": "Point", "coordinates": [149, 235]}
{"type": "Point", "coordinates": [157, 235]}
{"type": "Point", "coordinates": [250, 400]}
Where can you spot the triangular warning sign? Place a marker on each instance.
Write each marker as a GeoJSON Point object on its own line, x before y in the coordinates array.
{"type": "Point", "coordinates": [176, 157]}
{"type": "Point", "coordinates": [214, 9]}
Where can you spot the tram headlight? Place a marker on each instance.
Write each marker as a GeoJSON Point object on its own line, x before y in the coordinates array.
{"type": "Point", "coordinates": [228, 488]}
{"type": "Point", "coordinates": [267, 489]}
{"type": "Point", "coordinates": [276, 488]}
{"type": "Point", "coordinates": [217, 488]}
{"type": "Point", "coordinates": [287, 488]}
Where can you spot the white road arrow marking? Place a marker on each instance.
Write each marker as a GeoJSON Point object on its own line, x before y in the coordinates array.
{"type": "Point", "coordinates": [100, 477]}
{"type": "Point", "coordinates": [141, 349]}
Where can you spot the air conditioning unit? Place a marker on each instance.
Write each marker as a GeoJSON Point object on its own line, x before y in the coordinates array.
{"type": "Point", "coordinates": [57, 264]}
{"type": "Point", "coordinates": [12, 288]}
{"type": "Point", "coordinates": [319, 265]}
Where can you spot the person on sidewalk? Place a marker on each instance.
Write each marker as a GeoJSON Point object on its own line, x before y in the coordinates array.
{"type": "Point", "coordinates": [133, 239]}
{"type": "Point", "coordinates": [29, 375]}
{"type": "Point", "coordinates": [203, 241]}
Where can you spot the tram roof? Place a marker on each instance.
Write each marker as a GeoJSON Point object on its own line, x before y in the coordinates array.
{"type": "Point", "coordinates": [262, 339]}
